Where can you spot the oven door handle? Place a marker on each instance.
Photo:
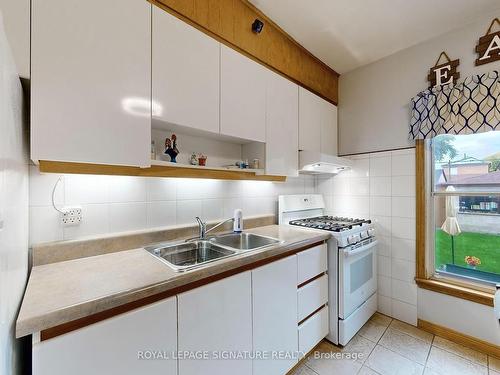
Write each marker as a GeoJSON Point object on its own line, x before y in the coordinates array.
{"type": "Point", "coordinates": [360, 250]}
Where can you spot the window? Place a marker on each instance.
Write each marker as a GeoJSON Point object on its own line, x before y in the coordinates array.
{"type": "Point", "coordinates": [465, 214]}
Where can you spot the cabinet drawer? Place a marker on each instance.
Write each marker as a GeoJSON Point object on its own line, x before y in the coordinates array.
{"type": "Point", "coordinates": [312, 296]}
{"type": "Point", "coordinates": [311, 263]}
{"type": "Point", "coordinates": [313, 330]}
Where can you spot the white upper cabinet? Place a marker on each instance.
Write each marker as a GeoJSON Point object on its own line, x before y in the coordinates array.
{"type": "Point", "coordinates": [282, 126]}
{"type": "Point", "coordinates": [317, 123]}
{"type": "Point", "coordinates": [274, 295]}
{"type": "Point", "coordinates": [329, 129]}
{"type": "Point", "coordinates": [217, 318]}
{"type": "Point", "coordinates": [310, 110]}
{"type": "Point", "coordinates": [243, 96]}
{"type": "Point", "coordinates": [185, 74]}
{"type": "Point", "coordinates": [91, 81]}
{"type": "Point", "coordinates": [113, 346]}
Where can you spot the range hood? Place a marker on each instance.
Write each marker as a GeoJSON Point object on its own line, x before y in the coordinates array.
{"type": "Point", "coordinates": [311, 162]}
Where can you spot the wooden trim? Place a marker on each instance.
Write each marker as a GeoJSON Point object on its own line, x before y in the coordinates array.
{"type": "Point", "coordinates": [97, 317]}
{"type": "Point", "coordinates": [477, 296]}
{"type": "Point", "coordinates": [152, 171]}
{"type": "Point", "coordinates": [422, 280]}
{"type": "Point", "coordinates": [311, 280]}
{"type": "Point", "coordinates": [311, 314]}
{"type": "Point", "coordinates": [229, 22]}
{"type": "Point", "coordinates": [460, 338]}
{"type": "Point", "coordinates": [421, 219]}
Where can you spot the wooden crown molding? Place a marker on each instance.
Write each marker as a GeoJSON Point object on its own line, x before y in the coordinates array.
{"type": "Point", "coordinates": [229, 21]}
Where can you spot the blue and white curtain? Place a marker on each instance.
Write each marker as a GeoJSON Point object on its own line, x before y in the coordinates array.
{"type": "Point", "coordinates": [472, 106]}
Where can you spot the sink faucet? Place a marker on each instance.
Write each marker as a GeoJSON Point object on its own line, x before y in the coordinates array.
{"type": "Point", "coordinates": [203, 227]}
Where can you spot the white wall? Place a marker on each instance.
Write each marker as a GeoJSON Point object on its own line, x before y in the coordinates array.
{"type": "Point", "coordinates": [460, 315]}
{"type": "Point", "coordinates": [374, 100]}
{"type": "Point", "coordinates": [17, 28]}
{"type": "Point", "coordinates": [13, 207]}
{"type": "Point", "coordinates": [381, 186]}
{"type": "Point", "coordinates": [374, 115]}
{"type": "Point", "coordinates": [117, 204]}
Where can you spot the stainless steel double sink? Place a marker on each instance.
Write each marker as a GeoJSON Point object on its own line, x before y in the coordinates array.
{"type": "Point", "coordinates": [183, 256]}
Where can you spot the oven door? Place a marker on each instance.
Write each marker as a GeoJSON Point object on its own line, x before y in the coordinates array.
{"type": "Point", "coordinates": [357, 276]}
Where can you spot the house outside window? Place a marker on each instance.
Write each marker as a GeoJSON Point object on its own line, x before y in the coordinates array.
{"type": "Point", "coordinates": [466, 207]}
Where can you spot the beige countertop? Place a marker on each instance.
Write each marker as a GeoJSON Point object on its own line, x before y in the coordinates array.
{"type": "Point", "coordinates": [62, 292]}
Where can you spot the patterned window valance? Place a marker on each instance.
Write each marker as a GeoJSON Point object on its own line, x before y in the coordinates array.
{"type": "Point", "coordinates": [472, 106]}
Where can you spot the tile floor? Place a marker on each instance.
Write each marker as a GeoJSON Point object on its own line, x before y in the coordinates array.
{"type": "Point", "coordinates": [391, 347]}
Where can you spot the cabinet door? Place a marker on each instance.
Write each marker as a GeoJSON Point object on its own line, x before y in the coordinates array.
{"type": "Point", "coordinates": [310, 119]}
{"type": "Point", "coordinates": [274, 293]}
{"type": "Point", "coordinates": [91, 81]}
{"type": "Point", "coordinates": [216, 319]}
{"type": "Point", "coordinates": [282, 126]}
{"type": "Point", "coordinates": [329, 129]}
{"type": "Point", "coordinates": [115, 345]}
{"type": "Point", "coordinates": [185, 74]}
{"type": "Point", "coordinates": [243, 96]}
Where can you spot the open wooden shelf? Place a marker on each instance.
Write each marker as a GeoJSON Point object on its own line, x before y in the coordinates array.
{"type": "Point", "coordinates": [158, 169]}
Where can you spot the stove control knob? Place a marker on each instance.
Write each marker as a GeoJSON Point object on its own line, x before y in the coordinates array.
{"type": "Point", "coordinates": [371, 232]}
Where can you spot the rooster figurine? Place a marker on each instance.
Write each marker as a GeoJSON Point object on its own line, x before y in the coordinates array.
{"type": "Point", "coordinates": [171, 148]}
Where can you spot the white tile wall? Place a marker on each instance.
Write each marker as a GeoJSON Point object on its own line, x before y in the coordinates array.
{"type": "Point", "coordinates": [381, 186]}
{"type": "Point", "coordinates": [115, 204]}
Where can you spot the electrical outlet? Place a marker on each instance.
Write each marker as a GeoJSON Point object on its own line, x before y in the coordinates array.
{"type": "Point", "coordinates": [71, 216]}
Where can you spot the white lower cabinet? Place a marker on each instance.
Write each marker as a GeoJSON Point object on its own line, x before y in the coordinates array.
{"type": "Point", "coordinates": [313, 330]}
{"type": "Point", "coordinates": [216, 320]}
{"type": "Point", "coordinates": [217, 328]}
{"type": "Point", "coordinates": [274, 296]}
{"type": "Point", "coordinates": [114, 346]}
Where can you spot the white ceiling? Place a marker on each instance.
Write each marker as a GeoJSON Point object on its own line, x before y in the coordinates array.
{"type": "Point", "coordinates": [347, 34]}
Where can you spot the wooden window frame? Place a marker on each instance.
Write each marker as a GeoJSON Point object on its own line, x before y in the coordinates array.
{"type": "Point", "coordinates": [422, 278]}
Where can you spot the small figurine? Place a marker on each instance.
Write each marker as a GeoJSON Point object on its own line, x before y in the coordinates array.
{"type": "Point", "coordinates": [202, 160]}
{"type": "Point", "coordinates": [171, 148]}
{"type": "Point", "coordinates": [194, 159]}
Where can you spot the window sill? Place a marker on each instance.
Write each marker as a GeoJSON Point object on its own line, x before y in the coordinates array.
{"type": "Point", "coordinates": [477, 296]}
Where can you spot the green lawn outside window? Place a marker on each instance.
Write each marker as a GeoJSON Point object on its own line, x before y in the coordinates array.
{"type": "Point", "coordinates": [486, 247]}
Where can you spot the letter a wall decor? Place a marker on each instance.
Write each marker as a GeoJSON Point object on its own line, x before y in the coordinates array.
{"type": "Point", "coordinates": [488, 48]}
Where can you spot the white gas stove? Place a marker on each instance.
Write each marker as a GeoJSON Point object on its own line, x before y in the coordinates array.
{"type": "Point", "coordinates": [352, 262]}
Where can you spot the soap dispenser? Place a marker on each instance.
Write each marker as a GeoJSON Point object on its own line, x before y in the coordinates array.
{"type": "Point", "coordinates": [238, 221]}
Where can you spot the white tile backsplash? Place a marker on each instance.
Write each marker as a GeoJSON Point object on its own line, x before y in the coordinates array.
{"type": "Point", "coordinates": [44, 224]}
{"type": "Point", "coordinates": [404, 291]}
{"type": "Point", "coordinates": [124, 189]}
{"type": "Point", "coordinates": [162, 213]}
{"type": "Point", "coordinates": [96, 222]}
{"type": "Point", "coordinates": [403, 207]}
{"type": "Point", "coordinates": [187, 210]}
{"type": "Point", "coordinates": [161, 189]}
{"type": "Point", "coordinates": [380, 164]}
{"type": "Point", "coordinates": [403, 186]}
{"type": "Point", "coordinates": [381, 186]}
{"type": "Point", "coordinates": [86, 189]}
{"type": "Point", "coordinates": [120, 203]}
{"type": "Point", "coordinates": [380, 206]}
{"type": "Point", "coordinates": [127, 216]}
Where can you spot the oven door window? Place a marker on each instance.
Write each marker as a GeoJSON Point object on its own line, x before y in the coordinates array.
{"type": "Point", "coordinates": [358, 280]}
{"type": "Point", "coordinates": [361, 272]}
